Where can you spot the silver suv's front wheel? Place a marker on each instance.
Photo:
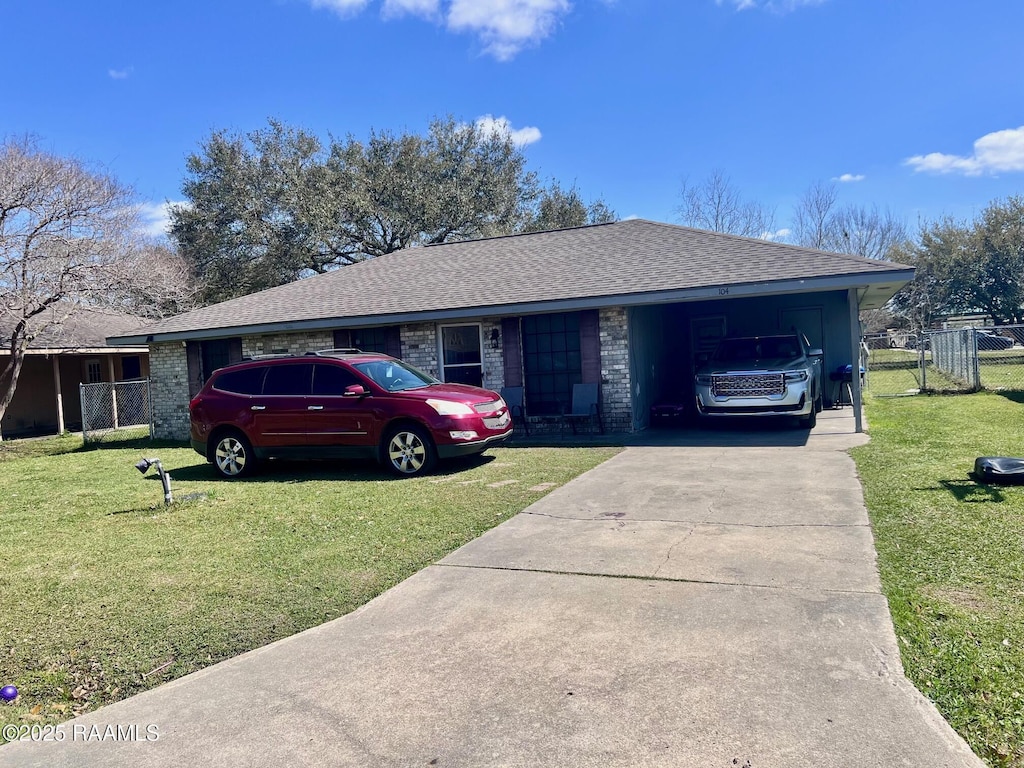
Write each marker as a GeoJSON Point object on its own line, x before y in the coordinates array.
{"type": "Point", "coordinates": [409, 451]}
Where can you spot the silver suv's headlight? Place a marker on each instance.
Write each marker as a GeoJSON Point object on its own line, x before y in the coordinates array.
{"type": "Point", "coordinates": [704, 380]}
{"type": "Point", "coordinates": [796, 376]}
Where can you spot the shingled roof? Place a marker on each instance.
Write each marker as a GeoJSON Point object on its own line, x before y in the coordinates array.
{"type": "Point", "coordinates": [626, 262]}
{"type": "Point", "coordinates": [71, 327]}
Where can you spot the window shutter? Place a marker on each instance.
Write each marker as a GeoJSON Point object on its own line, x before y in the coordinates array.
{"type": "Point", "coordinates": [193, 357]}
{"type": "Point", "coordinates": [393, 340]}
{"type": "Point", "coordinates": [512, 351]}
{"type": "Point", "coordinates": [590, 346]}
{"type": "Point", "coordinates": [234, 351]}
{"type": "Point", "coordinates": [342, 338]}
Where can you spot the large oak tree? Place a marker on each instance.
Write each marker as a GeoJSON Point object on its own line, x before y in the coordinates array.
{"type": "Point", "coordinates": [276, 204]}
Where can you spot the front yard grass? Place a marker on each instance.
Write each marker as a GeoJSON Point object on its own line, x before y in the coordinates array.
{"type": "Point", "coordinates": [951, 556]}
{"type": "Point", "coordinates": [106, 592]}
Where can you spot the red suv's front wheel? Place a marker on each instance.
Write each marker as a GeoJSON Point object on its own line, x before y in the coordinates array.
{"type": "Point", "coordinates": [232, 455]}
{"type": "Point", "coordinates": [409, 451]}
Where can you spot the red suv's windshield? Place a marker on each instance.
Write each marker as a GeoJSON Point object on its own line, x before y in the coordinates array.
{"type": "Point", "coordinates": [394, 375]}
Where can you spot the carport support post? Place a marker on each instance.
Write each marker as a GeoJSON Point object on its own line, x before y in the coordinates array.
{"type": "Point", "coordinates": [60, 397]}
{"type": "Point", "coordinates": [854, 303]}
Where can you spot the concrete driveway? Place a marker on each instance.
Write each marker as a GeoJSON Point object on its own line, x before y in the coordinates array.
{"type": "Point", "coordinates": [712, 602]}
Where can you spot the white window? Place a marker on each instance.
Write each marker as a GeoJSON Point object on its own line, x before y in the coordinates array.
{"type": "Point", "coordinates": [93, 371]}
{"type": "Point", "coordinates": [461, 354]}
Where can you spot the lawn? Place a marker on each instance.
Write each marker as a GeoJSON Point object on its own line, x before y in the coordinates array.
{"type": "Point", "coordinates": [106, 592]}
{"type": "Point", "coordinates": [951, 556]}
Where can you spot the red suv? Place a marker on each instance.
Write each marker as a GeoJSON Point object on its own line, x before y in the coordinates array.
{"type": "Point", "coordinates": [340, 404]}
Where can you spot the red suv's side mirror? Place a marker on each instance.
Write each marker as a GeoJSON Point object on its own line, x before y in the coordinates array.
{"type": "Point", "coordinates": [355, 390]}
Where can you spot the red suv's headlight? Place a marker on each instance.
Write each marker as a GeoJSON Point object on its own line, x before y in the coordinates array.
{"type": "Point", "coordinates": [450, 408]}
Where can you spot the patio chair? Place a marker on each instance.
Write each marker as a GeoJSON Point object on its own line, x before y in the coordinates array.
{"type": "Point", "coordinates": [513, 397]}
{"type": "Point", "coordinates": [585, 406]}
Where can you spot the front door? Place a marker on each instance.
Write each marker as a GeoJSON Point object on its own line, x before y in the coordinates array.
{"type": "Point", "coordinates": [461, 354]}
{"type": "Point", "coordinates": [807, 320]}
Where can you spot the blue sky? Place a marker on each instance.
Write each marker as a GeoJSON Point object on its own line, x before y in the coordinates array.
{"type": "Point", "coordinates": [915, 105]}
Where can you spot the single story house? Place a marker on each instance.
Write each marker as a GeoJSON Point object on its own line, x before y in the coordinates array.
{"type": "Point", "coordinates": [75, 351]}
{"type": "Point", "coordinates": [628, 305]}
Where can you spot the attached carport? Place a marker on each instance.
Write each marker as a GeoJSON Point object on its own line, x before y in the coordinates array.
{"type": "Point", "coordinates": [666, 338]}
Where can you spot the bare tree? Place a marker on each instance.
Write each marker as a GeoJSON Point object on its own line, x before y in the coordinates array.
{"type": "Point", "coordinates": [68, 236]}
{"type": "Point", "coordinates": [717, 205]}
{"type": "Point", "coordinates": [812, 214]}
{"type": "Point", "coordinates": [153, 280]}
{"type": "Point", "coordinates": [820, 222]}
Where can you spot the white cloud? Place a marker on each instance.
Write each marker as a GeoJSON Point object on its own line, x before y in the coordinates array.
{"type": "Point", "coordinates": [120, 74]}
{"type": "Point", "coordinates": [779, 234]}
{"type": "Point", "coordinates": [847, 178]}
{"type": "Point", "coordinates": [993, 153]}
{"type": "Point", "coordinates": [156, 217]}
{"type": "Point", "coordinates": [395, 8]}
{"type": "Point", "coordinates": [775, 6]}
{"type": "Point", "coordinates": [504, 27]}
{"type": "Point", "coordinates": [520, 136]}
{"type": "Point", "coordinates": [341, 7]}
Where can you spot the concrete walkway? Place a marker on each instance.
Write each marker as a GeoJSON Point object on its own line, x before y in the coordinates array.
{"type": "Point", "coordinates": [714, 604]}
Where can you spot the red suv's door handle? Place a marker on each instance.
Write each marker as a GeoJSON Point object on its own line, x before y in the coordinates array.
{"type": "Point", "coordinates": [258, 408]}
{"type": "Point", "coordinates": [314, 408]}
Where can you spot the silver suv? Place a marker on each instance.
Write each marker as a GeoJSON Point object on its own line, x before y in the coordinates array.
{"type": "Point", "coordinates": [762, 376]}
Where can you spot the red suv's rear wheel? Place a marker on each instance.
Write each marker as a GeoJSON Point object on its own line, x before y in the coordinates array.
{"type": "Point", "coordinates": [408, 451]}
{"type": "Point", "coordinates": [233, 456]}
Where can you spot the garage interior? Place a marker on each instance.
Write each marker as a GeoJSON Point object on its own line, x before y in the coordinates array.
{"type": "Point", "coordinates": [665, 340]}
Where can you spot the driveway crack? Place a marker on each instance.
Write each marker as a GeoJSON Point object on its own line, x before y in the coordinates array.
{"type": "Point", "coordinates": [632, 577]}
{"type": "Point", "coordinates": [623, 518]}
{"type": "Point", "coordinates": [668, 555]}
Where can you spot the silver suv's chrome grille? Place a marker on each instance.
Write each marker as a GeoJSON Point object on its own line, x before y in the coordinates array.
{"type": "Point", "coordinates": [490, 407]}
{"type": "Point", "coordinates": [751, 385]}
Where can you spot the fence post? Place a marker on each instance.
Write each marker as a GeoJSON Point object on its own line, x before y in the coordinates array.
{"type": "Point", "coordinates": [922, 341]}
{"type": "Point", "coordinates": [85, 418]}
{"type": "Point", "coordinates": [113, 403]}
{"type": "Point", "coordinates": [976, 384]}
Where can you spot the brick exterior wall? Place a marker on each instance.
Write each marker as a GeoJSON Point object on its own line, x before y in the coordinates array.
{"type": "Point", "coordinates": [494, 359]}
{"type": "Point", "coordinates": [616, 399]}
{"type": "Point", "coordinates": [291, 343]}
{"type": "Point", "coordinates": [419, 347]}
{"type": "Point", "coordinates": [168, 375]}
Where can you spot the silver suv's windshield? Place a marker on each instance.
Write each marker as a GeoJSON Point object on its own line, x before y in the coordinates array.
{"type": "Point", "coordinates": [394, 375]}
{"type": "Point", "coordinates": [761, 348]}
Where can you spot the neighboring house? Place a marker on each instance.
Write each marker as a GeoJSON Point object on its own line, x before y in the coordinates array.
{"type": "Point", "coordinates": [628, 305]}
{"type": "Point", "coordinates": [46, 400]}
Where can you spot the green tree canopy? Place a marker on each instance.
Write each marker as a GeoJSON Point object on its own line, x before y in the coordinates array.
{"type": "Point", "coordinates": [558, 208]}
{"type": "Point", "coordinates": [965, 267]}
{"type": "Point", "coordinates": [276, 204]}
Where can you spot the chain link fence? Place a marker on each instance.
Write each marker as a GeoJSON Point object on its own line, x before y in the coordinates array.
{"type": "Point", "coordinates": [116, 410]}
{"type": "Point", "coordinates": [958, 360]}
